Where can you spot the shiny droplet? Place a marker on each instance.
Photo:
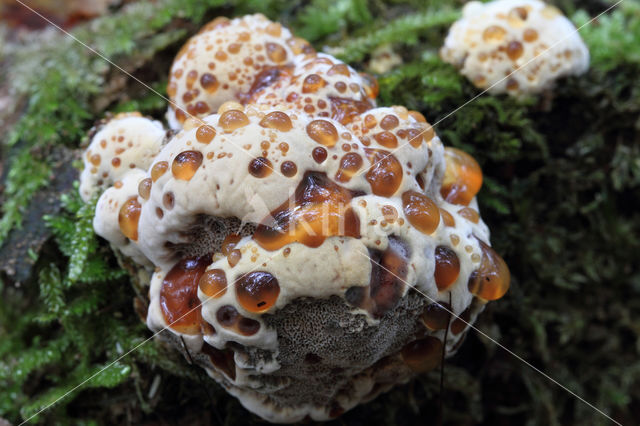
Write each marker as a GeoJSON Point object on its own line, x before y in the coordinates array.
{"type": "Point", "coordinates": [260, 167]}
{"type": "Point", "coordinates": [128, 218]}
{"type": "Point", "coordinates": [257, 291]}
{"type": "Point", "coordinates": [491, 280]}
{"type": "Point", "coordinates": [421, 211]}
{"type": "Point", "coordinates": [447, 267]}
{"type": "Point", "coordinates": [158, 170]}
{"type": "Point", "coordinates": [350, 163]}
{"type": "Point", "coordinates": [323, 132]}
{"type": "Point", "coordinates": [186, 164]}
{"type": "Point", "coordinates": [205, 134]}
{"type": "Point", "coordinates": [436, 316]}
{"type": "Point", "coordinates": [213, 283]}
{"type": "Point", "coordinates": [232, 120]}
{"type": "Point", "coordinates": [144, 188]}
{"type": "Point", "coordinates": [385, 173]}
{"type": "Point", "coordinates": [462, 177]}
{"type": "Point", "coordinates": [277, 120]}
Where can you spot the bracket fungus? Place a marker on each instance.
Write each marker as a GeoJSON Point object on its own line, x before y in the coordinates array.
{"type": "Point", "coordinates": [309, 258]}
{"type": "Point", "coordinates": [517, 47]}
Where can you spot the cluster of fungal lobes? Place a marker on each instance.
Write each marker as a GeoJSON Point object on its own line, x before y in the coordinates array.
{"type": "Point", "coordinates": [493, 40]}
{"type": "Point", "coordinates": [307, 246]}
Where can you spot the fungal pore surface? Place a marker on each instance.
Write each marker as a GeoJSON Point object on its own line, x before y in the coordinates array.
{"type": "Point", "coordinates": [305, 244]}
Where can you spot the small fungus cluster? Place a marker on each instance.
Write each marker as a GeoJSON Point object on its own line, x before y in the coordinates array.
{"type": "Point", "coordinates": [493, 40]}
{"type": "Point", "coordinates": [307, 246]}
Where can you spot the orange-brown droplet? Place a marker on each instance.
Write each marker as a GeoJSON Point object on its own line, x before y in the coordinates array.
{"type": "Point", "coordinates": [462, 177]}
{"type": "Point", "coordinates": [386, 139]}
{"type": "Point", "coordinates": [186, 164]}
{"type": "Point", "coordinates": [514, 50]}
{"type": "Point", "coordinates": [341, 69]}
{"type": "Point", "coordinates": [312, 83]}
{"type": "Point", "coordinates": [260, 167]}
{"type": "Point", "coordinates": [491, 280]}
{"type": "Point", "coordinates": [277, 120]}
{"type": "Point", "coordinates": [223, 360]}
{"type": "Point", "coordinates": [447, 267]}
{"type": "Point", "coordinates": [179, 295]}
{"type": "Point", "coordinates": [421, 211]}
{"type": "Point", "coordinates": [209, 82]}
{"type": "Point", "coordinates": [436, 316]}
{"type": "Point", "coordinates": [247, 326]}
{"type": "Point", "coordinates": [144, 188]}
{"type": "Point", "coordinates": [232, 120]}
{"type": "Point", "coordinates": [205, 134]}
{"type": "Point", "coordinates": [213, 283]}
{"type": "Point", "coordinates": [257, 291]}
{"type": "Point", "coordinates": [158, 170]}
{"type": "Point", "coordinates": [459, 324]}
{"type": "Point", "coordinates": [288, 168]}
{"type": "Point", "coordinates": [168, 200]}
{"type": "Point", "coordinates": [229, 243]}
{"type": "Point", "coordinates": [389, 122]}
{"type": "Point", "coordinates": [423, 355]}
{"type": "Point", "coordinates": [319, 154]}
{"type": "Point", "coordinates": [530, 35]}
{"type": "Point", "coordinates": [494, 33]}
{"type": "Point", "coordinates": [469, 214]}
{"type": "Point", "coordinates": [276, 52]}
{"type": "Point", "coordinates": [350, 163]}
{"type": "Point", "coordinates": [128, 218]}
{"type": "Point", "coordinates": [416, 136]}
{"type": "Point", "coordinates": [323, 132]}
{"type": "Point", "coordinates": [95, 159]}
{"type": "Point", "coordinates": [447, 218]}
{"type": "Point", "coordinates": [234, 257]}
{"type": "Point", "coordinates": [385, 173]}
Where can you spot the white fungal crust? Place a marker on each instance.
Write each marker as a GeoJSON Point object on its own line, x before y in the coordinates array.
{"type": "Point", "coordinates": [322, 86]}
{"type": "Point", "coordinates": [222, 62]}
{"type": "Point", "coordinates": [309, 260]}
{"type": "Point", "coordinates": [517, 47]}
{"type": "Point", "coordinates": [125, 142]}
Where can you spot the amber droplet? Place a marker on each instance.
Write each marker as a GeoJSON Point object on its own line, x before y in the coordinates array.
{"type": "Point", "coordinates": [232, 120]}
{"type": "Point", "coordinates": [318, 209]}
{"type": "Point", "coordinates": [312, 83]}
{"type": "Point", "coordinates": [319, 154]}
{"type": "Point", "coordinates": [213, 283]}
{"type": "Point", "coordinates": [257, 291]}
{"type": "Point", "coordinates": [491, 280]}
{"type": "Point", "coordinates": [421, 211]}
{"type": "Point", "coordinates": [323, 132]}
{"type": "Point", "coordinates": [276, 52]}
{"type": "Point", "coordinates": [530, 35]}
{"type": "Point", "coordinates": [209, 82]}
{"type": "Point", "coordinates": [385, 173]}
{"type": "Point", "coordinates": [447, 267]}
{"type": "Point", "coordinates": [494, 33]}
{"type": "Point", "coordinates": [436, 316]}
{"type": "Point", "coordinates": [341, 69]}
{"type": "Point", "coordinates": [462, 177]}
{"type": "Point", "coordinates": [229, 243]}
{"type": "Point", "coordinates": [234, 257]}
{"type": "Point", "coordinates": [514, 50]}
{"type": "Point", "coordinates": [168, 200]}
{"type": "Point", "coordinates": [158, 170]}
{"type": "Point", "coordinates": [186, 164]}
{"type": "Point", "coordinates": [260, 167]}
{"type": "Point", "coordinates": [144, 188]}
{"type": "Point", "coordinates": [386, 139]}
{"type": "Point", "coordinates": [389, 271]}
{"type": "Point", "coordinates": [350, 163]}
{"type": "Point", "coordinates": [205, 134]}
{"type": "Point", "coordinates": [416, 136]}
{"type": "Point", "coordinates": [470, 214]}
{"type": "Point", "coordinates": [277, 120]}
{"type": "Point", "coordinates": [128, 218]}
{"type": "Point", "coordinates": [447, 219]}
{"type": "Point", "coordinates": [518, 13]}
{"type": "Point", "coordinates": [288, 168]}
{"type": "Point", "coordinates": [389, 122]}
{"type": "Point", "coordinates": [423, 355]}
{"type": "Point", "coordinates": [179, 295]}
{"type": "Point", "coordinates": [459, 324]}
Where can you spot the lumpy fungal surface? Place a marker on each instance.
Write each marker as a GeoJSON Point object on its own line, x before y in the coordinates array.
{"type": "Point", "coordinates": [305, 246]}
